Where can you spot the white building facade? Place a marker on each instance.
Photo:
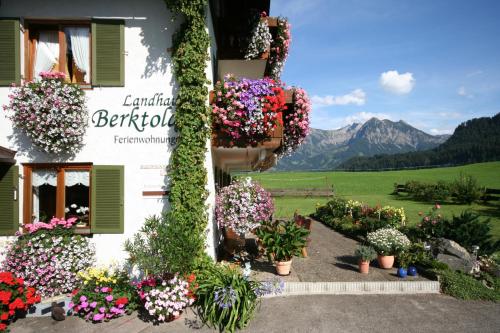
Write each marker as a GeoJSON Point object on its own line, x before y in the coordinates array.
{"type": "Point", "coordinates": [118, 51]}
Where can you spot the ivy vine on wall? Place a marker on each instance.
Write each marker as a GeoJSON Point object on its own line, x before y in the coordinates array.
{"type": "Point", "coordinates": [186, 221]}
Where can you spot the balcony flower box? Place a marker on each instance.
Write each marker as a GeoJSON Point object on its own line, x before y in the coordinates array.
{"type": "Point", "coordinates": [248, 112]}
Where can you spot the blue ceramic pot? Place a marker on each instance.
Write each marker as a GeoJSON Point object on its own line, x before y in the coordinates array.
{"type": "Point", "coordinates": [402, 272]}
{"type": "Point", "coordinates": [412, 271]}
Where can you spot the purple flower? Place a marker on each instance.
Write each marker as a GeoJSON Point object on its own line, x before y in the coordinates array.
{"type": "Point", "coordinates": [109, 298]}
{"type": "Point", "coordinates": [83, 298]}
{"type": "Point", "coordinates": [102, 309]}
{"type": "Point", "coordinates": [93, 305]}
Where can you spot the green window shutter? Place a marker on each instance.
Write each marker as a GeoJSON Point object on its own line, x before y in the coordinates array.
{"type": "Point", "coordinates": [9, 202]}
{"type": "Point", "coordinates": [106, 210]}
{"type": "Point", "coordinates": [108, 53]}
{"type": "Point", "coordinates": [10, 56]}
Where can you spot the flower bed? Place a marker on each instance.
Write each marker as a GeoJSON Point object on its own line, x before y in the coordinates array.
{"type": "Point", "coordinates": [164, 298]}
{"type": "Point", "coordinates": [51, 112]}
{"type": "Point", "coordinates": [105, 295]}
{"type": "Point", "coordinates": [247, 111]}
{"type": "Point", "coordinates": [49, 257]}
{"type": "Point", "coordinates": [296, 122]}
{"type": "Point", "coordinates": [15, 298]}
{"type": "Point", "coordinates": [355, 218]}
{"type": "Point", "coordinates": [243, 206]}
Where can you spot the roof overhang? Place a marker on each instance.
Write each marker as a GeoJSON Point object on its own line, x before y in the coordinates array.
{"type": "Point", "coordinates": [7, 156]}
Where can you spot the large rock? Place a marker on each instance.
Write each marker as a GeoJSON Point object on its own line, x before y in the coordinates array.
{"type": "Point", "coordinates": [454, 255]}
{"type": "Point", "coordinates": [450, 247]}
{"type": "Point", "coordinates": [454, 262]}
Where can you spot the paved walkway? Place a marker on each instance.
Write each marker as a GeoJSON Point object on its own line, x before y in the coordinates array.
{"type": "Point", "coordinates": [368, 313]}
{"type": "Point", "coordinates": [330, 258]}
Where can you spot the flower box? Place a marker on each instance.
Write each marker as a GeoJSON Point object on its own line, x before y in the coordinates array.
{"type": "Point", "coordinates": [231, 59]}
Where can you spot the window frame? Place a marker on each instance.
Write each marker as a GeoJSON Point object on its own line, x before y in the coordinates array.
{"type": "Point", "coordinates": [60, 190]}
{"type": "Point", "coordinates": [29, 45]}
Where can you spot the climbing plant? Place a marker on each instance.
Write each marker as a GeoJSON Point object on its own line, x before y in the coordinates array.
{"type": "Point", "coordinates": [183, 229]}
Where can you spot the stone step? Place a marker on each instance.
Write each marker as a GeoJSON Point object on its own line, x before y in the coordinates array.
{"type": "Point", "coordinates": [361, 288]}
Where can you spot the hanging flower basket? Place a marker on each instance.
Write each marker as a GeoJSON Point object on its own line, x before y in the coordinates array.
{"type": "Point", "coordinates": [280, 46]}
{"type": "Point", "coordinates": [247, 111]}
{"type": "Point", "coordinates": [243, 206]}
{"type": "Point", "coordinates": [296, 122]}
{"type": "Point", "coordinates": [51, 112]}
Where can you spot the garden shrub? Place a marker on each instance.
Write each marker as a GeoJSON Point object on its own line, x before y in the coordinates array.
{"type": "Point", "coordinates": [464, 286]}
{"type": "Point", "coordinates": [467, 229]}
{"type": "Point", "coordinates": [466, 189]}
{"type": "Point", "coordinates": [49, 257]}
{"type": "Point", "coordinates": [146, 248]}
{"type": "Point", "coordinates": [105, 294]}
{"type": "Point", "coordinates": [440, 191]}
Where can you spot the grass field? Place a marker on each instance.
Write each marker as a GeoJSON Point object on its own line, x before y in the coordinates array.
{"type": "Point", "coordinates": [375, 188]}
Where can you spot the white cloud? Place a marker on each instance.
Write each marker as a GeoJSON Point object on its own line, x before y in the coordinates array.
{"type": "Point", "coordinates": [438, 131]}
{"type": "Point", "coordinates": [396, 83]}
{"type": "Point", "coordinates": [463, 92]}
{"type": "Point", "coordinates": [474, 73]}
{"type": "Point", "coordinates": [361, 117]}
{"type": "Point", "coordinates": [450, 115]}
{"type": "Point", "coordinates": [356, 97]}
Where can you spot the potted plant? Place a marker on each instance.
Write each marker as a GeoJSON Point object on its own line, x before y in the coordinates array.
{"type": "Point", "coordinates": [282, 240]}
{"type": "Point", "coordinates": [387, 242]}
{"type": "Point", "coordinates": [404, 258]}
{"type": "Point", "coordinates": [365, 254]}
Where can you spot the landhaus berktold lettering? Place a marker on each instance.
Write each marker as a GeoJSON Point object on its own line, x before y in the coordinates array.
{"type": "Point", "coordinates": [137, 118]}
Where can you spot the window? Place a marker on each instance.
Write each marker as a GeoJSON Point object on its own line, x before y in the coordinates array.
{"type": "Point", "coordinates": [59, 46]}
{"type": "Point", "coordinates": [90, 52]}
{"type": "Point", "coordinates": [58, 191]}
{"type": "Point", "coordinates": [92, 193]}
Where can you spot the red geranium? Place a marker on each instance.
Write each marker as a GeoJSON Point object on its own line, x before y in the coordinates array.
{"type": "Point", "coordinates": [121, 300]}
{"type": "Point", "coordinates": [5, 296]}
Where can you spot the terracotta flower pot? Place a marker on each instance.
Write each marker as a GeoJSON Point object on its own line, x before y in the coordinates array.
{"type": "Point", "coordinates": [385, 262]}
{"type": "Point", "coordinates": [364, 266]}
{"type": "Point", "coordinates": [283, 267]}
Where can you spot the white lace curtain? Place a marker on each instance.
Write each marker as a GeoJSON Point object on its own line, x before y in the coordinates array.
{"type": "Point", "coordinates": [44, 177]}
{"type": "Point", "coordinates": [76, 177]}
{"type": "Point", "coordinates": [47, 51]}
{"type": "Point", "coordinates": [49, 177]}
{"type": "Point", "coordinates": [79, 37]}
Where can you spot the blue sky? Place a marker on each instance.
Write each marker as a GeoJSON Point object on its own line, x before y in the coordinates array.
{"type": "Point", "coordinates": [431, 63]}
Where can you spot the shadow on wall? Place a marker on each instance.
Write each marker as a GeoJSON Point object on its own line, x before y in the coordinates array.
{"type": "Point", "coordinates": [25, 147]}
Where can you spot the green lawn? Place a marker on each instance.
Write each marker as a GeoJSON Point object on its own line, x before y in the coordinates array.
{"type": "Point", "coordinates": [375, 188]}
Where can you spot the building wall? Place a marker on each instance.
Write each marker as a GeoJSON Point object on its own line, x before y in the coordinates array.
{"type": "Point", "coordinates": [148, 74]}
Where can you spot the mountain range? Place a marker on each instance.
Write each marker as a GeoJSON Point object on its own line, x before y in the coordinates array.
{"type": "Point", "coordinates": [473, 141]}
{"type": "Point", "coordinates": [327, 149]}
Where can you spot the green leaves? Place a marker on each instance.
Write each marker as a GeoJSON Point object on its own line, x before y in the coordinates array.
{"type": "Point", "coordinates": [182, 230]}
{"type": "Point", "coordinates": [215, 278]}
{"type": "Point", "coordinates": [282, 240]}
